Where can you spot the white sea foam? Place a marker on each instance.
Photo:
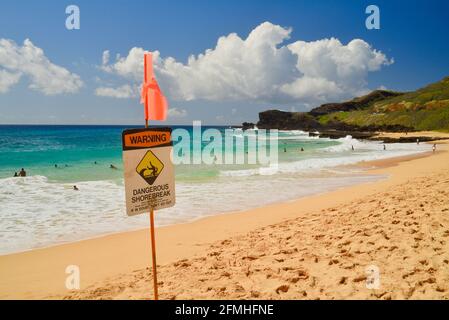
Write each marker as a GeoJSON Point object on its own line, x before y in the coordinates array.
{"type": "Point", "coordinates": [338, 155]}
{"type": "Point", "coordinates": [36, 212]}
{"type": "Point", "coordinates": [294, 132]}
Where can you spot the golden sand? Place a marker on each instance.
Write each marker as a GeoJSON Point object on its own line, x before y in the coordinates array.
{"type": "Point", "coordinates": [316, 247]}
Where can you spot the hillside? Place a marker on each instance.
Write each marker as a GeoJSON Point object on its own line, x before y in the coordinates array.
{"type": "Point", "coordinates": [354, 104]}
{"type": "Point", "coordinates": [424, 109]}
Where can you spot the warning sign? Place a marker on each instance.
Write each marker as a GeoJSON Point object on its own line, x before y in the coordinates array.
{"type": "Point", "coordinates": [149, 172]}
{"type": "Point", "coordinates": [150, 167]}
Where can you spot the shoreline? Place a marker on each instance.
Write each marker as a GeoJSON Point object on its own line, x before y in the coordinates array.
{"type": "Point", "coordinates": [367, 166]}
{"type": "Point", "coordinates": [44, 269]}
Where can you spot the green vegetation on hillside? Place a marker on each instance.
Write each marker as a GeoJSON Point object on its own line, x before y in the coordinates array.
{"type": "Point", "coordinates": [423, 109]}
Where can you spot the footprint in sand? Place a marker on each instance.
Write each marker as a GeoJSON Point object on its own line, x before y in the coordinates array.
{"type": "Point", "coordinates": [282, 288]}
{"type": "Point", "coordinates": [343, 280]}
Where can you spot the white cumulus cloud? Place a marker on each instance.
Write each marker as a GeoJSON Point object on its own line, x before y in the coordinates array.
{"type": "Point", "coordinates": [125, 91]}
{"type": "Point", "coordinates": [330, 69]}
{"type": "Point", "coordinates": [105, 58]}
{"type": "Point", "coordinates": [8, 79]}
{"type": "Point", "coordinates": [30, 61]}
{"type": "Point", "coordinates": [177, 113]}
{"type": "Point", "coordinates": [265, 66]}
{"type": "Point", "coordinates": [130, 66]}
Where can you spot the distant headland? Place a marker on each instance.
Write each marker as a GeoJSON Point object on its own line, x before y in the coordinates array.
{"type": "Point", "coordinates": [426, 109]}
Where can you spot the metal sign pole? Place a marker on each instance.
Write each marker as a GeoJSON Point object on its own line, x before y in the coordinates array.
{"type": "Point", "coordinates": [153, 251]}
{"type": "Point", "coordinates": [153, 246]}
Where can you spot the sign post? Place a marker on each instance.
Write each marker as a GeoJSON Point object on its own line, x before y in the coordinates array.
{"type": "Point", "coordinates": [149, 176]}
{"type": "Point", "coordinates": [153, 254]}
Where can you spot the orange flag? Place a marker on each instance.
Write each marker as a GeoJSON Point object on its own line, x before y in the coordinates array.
{"type": "Point", "coordinates": [152, 97]}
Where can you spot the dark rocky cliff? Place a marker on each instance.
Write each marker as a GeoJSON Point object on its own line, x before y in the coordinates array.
{"type": "Point", "coordinates": [309, 121]}
{"type": "Point", "coordinates": [354, 104]}
{"type": "Point", "coordinates": [424, 109]}
{"type": "Point", "coordinates": [284, 120]}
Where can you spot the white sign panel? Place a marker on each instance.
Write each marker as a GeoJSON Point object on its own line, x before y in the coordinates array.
{"type": "Point", "coordinates": [149, 172]}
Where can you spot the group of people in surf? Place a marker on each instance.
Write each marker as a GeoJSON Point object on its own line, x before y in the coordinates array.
{"type": "Point", "coordinates": [23, 173]}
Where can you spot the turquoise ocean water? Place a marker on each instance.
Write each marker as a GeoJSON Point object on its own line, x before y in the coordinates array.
{"type": "Point", "coordinates": [43, 209]}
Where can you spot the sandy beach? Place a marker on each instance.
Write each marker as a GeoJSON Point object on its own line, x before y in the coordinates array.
{"type": "Point", "coordinates": [226, 151]}
{"type": "Point", "coordinates": [313, 248]}
{"type": "Point", "coordinates": [427, 134]}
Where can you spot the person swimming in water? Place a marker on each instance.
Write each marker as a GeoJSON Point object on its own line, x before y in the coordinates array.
{"type": "Point", "coordinates": [112, 166]}
{"type": "Point", "coordinates": [15, 174]}
{"type": "Point", "coordinates": [75, 188]}
{"type": "Point", "coordinates": [22, 173]}
{"type": "Point", "coordinates": [302, 149]}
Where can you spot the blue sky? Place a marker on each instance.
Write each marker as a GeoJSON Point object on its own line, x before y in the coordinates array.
{"type": "Point", "coordinates": [413, 33]}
